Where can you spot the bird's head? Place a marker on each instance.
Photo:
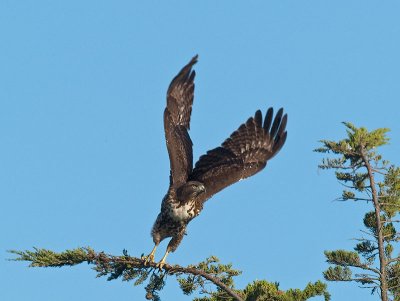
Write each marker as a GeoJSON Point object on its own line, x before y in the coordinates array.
{"type": "Point", "coordinates": [190, 190]}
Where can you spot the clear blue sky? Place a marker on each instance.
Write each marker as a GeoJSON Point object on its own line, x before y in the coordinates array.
{"type": "Point", "coordinates": [83, 160]}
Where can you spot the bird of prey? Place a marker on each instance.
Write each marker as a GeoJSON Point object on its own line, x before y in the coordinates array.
{"type": "Point", "coordinates": [242, 155]}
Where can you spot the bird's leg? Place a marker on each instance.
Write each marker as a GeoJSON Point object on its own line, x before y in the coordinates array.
{"type": "Point", "coordinates": [172, 245]}
{"type": "Point", "coordinates": [150, 258]}
{"type": "Point", "coordinates": [161, 264]}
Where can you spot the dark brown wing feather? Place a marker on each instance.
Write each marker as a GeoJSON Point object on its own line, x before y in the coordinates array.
{"type": "Point", "coordinates": [177, 123]}
{"type": "Point", "coordinates": [243, 154]}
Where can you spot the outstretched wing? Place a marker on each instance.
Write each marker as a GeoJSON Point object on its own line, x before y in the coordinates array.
{"type": "Point", "coordinates": [177, 123]}
{"type": "Point", "coordinates": [243, 154]}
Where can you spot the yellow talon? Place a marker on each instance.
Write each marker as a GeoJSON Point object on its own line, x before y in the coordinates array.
{"type": "Point", "coordinates": [150, 258]}
{"type": "Point", "coordinates": [161, 264]}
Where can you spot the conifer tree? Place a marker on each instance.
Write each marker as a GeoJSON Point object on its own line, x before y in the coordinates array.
{"type": "Point", "coordinates": [370, 179]}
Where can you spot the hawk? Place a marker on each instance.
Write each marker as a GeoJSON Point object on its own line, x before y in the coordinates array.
{"type": "Point", "coordinates": [242, 155]}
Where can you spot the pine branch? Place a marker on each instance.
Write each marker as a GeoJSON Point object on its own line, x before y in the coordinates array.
{"type": "Point", "coordinates": [128, 267]}
{"type": "Point", "coordinates": [347, 259]}
{"type": "Point", "coordinates": [191, 278]}
{"type": "Point", "coordinates": [397, 259]}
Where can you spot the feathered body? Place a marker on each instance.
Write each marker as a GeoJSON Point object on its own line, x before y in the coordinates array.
{"type": "Point", "coordinates": [242, 155]}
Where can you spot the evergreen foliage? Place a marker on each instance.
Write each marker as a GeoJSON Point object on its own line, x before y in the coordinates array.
{"type": "Point", "coordinates": [369, 178]}
{"type": "Point", "coordinates": [194, 278]}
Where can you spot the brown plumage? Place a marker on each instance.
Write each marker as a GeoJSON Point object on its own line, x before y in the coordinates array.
{"type": "Point", "coordinates": [242, 155]}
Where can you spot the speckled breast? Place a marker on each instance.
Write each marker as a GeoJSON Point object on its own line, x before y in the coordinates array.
{"type": "Point", "coordinates": [183, 212]}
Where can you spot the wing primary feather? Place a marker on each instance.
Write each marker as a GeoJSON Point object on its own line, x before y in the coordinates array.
{"type": "Point", "coordinates": [277, 121]}
{"type": "Point", "coordinates": [185, 72]}
{"type": "Point", "coordinates": [258, 118]}
{"type": "Point", "coordinates": [279, 144]}
{"type": "Point", "coordinates": [282, 127]}
{"type": "Point", "coordinates": [268, 119]}
{"type": "Point", "coordinates": [280, 138]}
